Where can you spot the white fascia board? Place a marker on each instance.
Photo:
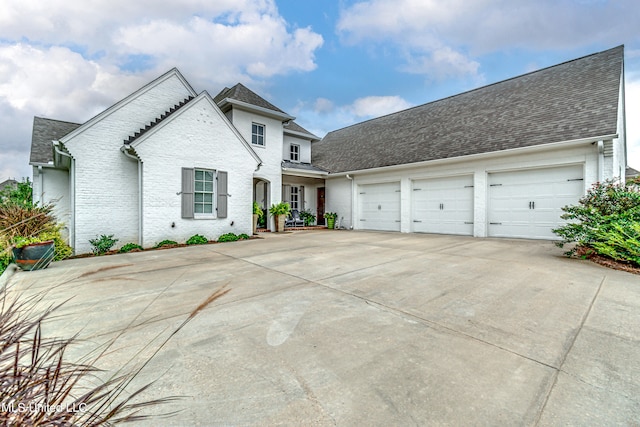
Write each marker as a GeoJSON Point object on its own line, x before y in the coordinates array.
{"type": "Point", "coordinates": [86, 125]}
{"type": "Point", "coordinates": [304, 173]}
{"type": "Point", "coordinates": [532, 149]}
{"type": "Point", "coordinates": [264, 111]}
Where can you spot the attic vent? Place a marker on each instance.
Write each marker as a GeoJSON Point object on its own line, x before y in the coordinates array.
{"type": "Point", "coordinates": [608, 148]}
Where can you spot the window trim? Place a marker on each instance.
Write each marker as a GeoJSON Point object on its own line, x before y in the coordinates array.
{"type": "Point", "coordinates": [295, 153]}
{"type": "Point", "coordinates": [211, 214]}
{"type": "Point", "coordinates": [257, 134]}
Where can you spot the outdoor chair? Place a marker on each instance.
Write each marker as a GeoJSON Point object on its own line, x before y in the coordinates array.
{"type": "Point", "coordinates": [294, 220]}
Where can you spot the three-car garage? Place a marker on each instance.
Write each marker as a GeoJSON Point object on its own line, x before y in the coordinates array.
{"type": "Point", "coordinates": [519, 204]}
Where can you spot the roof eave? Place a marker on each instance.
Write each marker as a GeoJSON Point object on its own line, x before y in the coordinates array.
{"type": "Point", "coordinates": [539, 147]}
{"type": "Point", "coordinates": [309, 136]}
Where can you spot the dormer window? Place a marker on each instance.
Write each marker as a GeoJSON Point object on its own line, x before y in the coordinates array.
{"type": "Point", "coordinates": [257, 134]}
{"type": "Point", "coordinates": [294, 153]}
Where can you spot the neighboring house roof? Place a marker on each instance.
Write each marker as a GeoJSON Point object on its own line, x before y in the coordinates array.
{"type": "Point", "coordinates": [570, 101]}
{"type": "Point", "coordinates": [8, 183]}
{"type": "Point", "coordinates": [45, 131]}
{"type": "Point", "coordinates": [293, 128]}
{"type": "Point", "coordinates": [631, 172]}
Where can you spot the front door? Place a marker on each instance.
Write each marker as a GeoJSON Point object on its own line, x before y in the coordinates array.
{"type": "Point", "coordinates": [320, 206]}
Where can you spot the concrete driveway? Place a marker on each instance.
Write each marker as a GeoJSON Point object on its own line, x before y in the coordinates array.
{"type": "Point", "coordinates": [363, 328]}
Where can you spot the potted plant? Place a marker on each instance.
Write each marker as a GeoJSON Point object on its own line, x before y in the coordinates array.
{"type": "Point", "coordinates": [331, 219]}
{"type": "Point", "coordinates": [280, 212]}
{"type": "Point", "coordinates": [308, 218]}
{"type": "Point", "coordinates": [257, 214]}
{"type": "Point", "coordinates": [33, 253]}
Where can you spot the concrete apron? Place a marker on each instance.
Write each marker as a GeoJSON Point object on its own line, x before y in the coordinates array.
{"type": "Point", "coordinates": [360, 328]}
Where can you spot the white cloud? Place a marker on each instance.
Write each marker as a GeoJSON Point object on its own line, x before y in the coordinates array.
{"type": "Point", "coordinates": [70, 60]}
{"type": "Point", "coordinates": [376, 106]}
{"type": "Point", "coordinates": [435, 36]}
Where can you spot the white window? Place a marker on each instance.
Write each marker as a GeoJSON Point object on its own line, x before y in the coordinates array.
{"type": "Point", "coordinates": [294, 199]}
{"type": "Point", "coordinates": [203, 191]}
{"type": "Point", "coordinates": [294, 153]}
{"type": "Point", "coordinates": [257, 134]}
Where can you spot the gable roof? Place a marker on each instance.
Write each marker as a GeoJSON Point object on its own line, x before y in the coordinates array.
{"type": "Point", "coordinates": [45, 131]}
{"type": "Point", "coordinates": [570, 101]}
{"type": "Point", "coordinates": [174, 72]}
{"type": "Point", "coordinates": [242, 96]}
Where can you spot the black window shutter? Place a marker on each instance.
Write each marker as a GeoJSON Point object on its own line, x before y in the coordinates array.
{"type": "Point", "coordinates": [187, 192]}
{"type": "Point", "coordinates": [222, 194]}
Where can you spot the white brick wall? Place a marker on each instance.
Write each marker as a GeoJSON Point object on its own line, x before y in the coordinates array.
{"type": "Point", "coordinates": [106, 189]}
{"type": "Point", "coordinates": [271, 153]}
{"type": "Point", "coordinates": [196, 137]}
{"type": "Point", "coordinates": [52, 186]}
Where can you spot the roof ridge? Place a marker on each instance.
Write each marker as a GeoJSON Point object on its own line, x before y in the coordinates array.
{"type": "Point", "coordinates": [479, 88]}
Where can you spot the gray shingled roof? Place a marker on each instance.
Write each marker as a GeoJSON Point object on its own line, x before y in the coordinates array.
{"type": "Point", "coordinates": [574, 100]}
{"type": "Point", "coordinates": [301, 166]}
{"type": "Point", "coordinates": [45, 131]}
{"type": "Point", "coordinates": [241, 93]}
{"type": "Point", "coordinates": [294, 127]}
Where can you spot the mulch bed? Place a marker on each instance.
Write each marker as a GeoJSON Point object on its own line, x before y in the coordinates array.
{"type": "Point", "coordinates": [179, 245]}
{"type": "Point", "coordinates": [587, 253]}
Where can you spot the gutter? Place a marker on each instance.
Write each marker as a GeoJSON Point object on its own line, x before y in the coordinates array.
{"type": "Point", "coordinates": [125, 151]}
{"type": "Point", "coordinates": [72, 193]}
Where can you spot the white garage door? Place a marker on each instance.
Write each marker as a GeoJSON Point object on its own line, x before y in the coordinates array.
{"type": "Point", "coordinates": [443, 205]}
{"type": "Point", "coordinates": [379, 206]}
{"type": "Point", "coordinates": [528, 204]}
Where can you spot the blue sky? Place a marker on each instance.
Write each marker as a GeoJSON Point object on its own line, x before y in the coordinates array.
{"type": "Point", "coordinates": [329, 63]}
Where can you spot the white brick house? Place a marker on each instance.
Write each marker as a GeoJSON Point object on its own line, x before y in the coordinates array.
{"type": "Point", "coordinates": [499, 161]}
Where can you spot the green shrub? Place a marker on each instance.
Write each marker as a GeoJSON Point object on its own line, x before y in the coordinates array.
{"type": "Point", "coordinates": [243, 237]}
{"type": "Point", "coordinates": [197, 239]}
{"type": "Point", "coordinates": [229, 237]}
{"type": "Point", "coordinates": [166, 243]}
{"type": "Point", "coordinates": [606, 219]}
{"type": "Point", "coordinates": [103, 244]}
{"type": "Point", "coordinates": [129, 247]}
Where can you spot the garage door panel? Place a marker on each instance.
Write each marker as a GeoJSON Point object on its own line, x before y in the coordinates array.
{"type": "Point", "coordinates": [528, 204]}
{"type": "Point", "coordinates": [443, 205]}
{"type": "Point", "coordinates": [379, 206]}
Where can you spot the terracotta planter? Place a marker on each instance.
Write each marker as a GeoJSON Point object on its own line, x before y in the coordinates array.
{"type": "Point", "coordinates": [280, 220]}
{"type": "Point", "coordinates": [35, 256]}
{"type": "Point", "coordinates": [255, 223]}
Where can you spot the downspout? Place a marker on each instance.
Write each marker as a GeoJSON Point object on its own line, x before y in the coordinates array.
{"type": "Point", "coordinates": [72, 193]}
{"type": "Point", "coordinates": [353, 201]}
{"type": "Point", "coordinates": [41, 178]}
{"type": "Point", "coordinates": [137, 159]}
{"type": "Point", "coordinates": [600, 160]}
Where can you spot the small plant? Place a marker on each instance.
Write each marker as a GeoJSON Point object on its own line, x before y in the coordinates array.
{"type": "Point", "coordinates": [229, 237]}
{"type": "Point", "coordinates": [197, 239]}
{"type": "Point", "coordinates": [166, 243]}
{"type": "Point", "coordinates": [103, 244]}
{"type": "Point", "coordinates": [331, 215]}
{"type": "Point", "coordinates": [243, 237]}
{"type": "Point", "coordinates": [130, 247]}
{"type": "Point", "coordinates": [281, 208]}
{"type": "Point", "coordinates": [308, 217]}
{"type": "Point", "coordinates": [257, 210]}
